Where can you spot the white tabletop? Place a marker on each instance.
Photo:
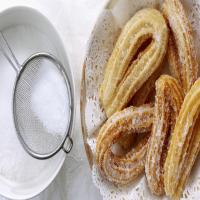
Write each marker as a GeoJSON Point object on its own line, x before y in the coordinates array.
{"type": "Point", "coordinates": [74, 20]}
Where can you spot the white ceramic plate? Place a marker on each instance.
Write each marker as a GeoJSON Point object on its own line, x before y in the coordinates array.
{"type": "Point", "coordinates": [27, 32]}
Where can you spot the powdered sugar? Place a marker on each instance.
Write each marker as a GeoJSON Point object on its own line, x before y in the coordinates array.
{"type": "Point", "coordinates": [50, 100]}
{"type": "Point", "coordinates": [17, 168]}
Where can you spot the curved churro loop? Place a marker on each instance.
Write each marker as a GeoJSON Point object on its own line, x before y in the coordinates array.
{"type": "Point", "coordinates": [185, 144]}
{"type": "Point", "coordinates": [169, 98]}
{"type": "Point", "coordinates": [128, 67]}
{"type": "Point", "coordinates": [181, 51]}
{"type": "Point", "coordinates": [122, 169]}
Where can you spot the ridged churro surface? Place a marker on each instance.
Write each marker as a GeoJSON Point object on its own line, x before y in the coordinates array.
{"type": "Point", "coordinates": [129, 67]}
{"type": "Point", "coordinates": [181, 50]}
{"type": "Point", "coordinates": [185, 144]}
{"type": "Point", "coordinates": [168, 101]}
{"type": "Point", "coordinates": [123, 169]}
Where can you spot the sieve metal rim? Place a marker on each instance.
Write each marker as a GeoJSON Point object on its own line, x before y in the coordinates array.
{"type": "Point", "coordinates": [71, 106]}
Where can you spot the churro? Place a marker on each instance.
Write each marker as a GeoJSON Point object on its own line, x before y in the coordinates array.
{"type": "Point", "coordinates": [129, 67]}
{"type": "Point", "coordinates": [181, 50]}
{"type": "Point", "coordinates": [168, 101]}
{"type": "Point", "coordinates": [185, 144]}
{"type": "Point", "coordinates": [123, 169]}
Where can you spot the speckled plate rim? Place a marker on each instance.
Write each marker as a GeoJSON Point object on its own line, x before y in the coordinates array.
{"type": "Point", "coordinates": [108, 5]}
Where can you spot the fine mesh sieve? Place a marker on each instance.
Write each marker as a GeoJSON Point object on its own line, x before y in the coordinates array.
{"type": "Point", "coordinates": [35, 133]}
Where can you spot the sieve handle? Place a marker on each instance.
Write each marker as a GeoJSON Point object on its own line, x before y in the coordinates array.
{"type": "Point", "coordinates": [67, 146]}
{"type": "Point", "coordinates": [8, 53]}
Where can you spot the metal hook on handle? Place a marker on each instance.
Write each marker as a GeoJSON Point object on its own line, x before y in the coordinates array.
{"type": "Point", "coordinates": [67, 147]}
{"type": "Point", "coordinates": [8, 53]}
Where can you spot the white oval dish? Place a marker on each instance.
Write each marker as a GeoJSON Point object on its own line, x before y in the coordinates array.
{"type": "Point", "coordinates": [101, 43]}
{"type": "Point", "coordinates": [27, 32]}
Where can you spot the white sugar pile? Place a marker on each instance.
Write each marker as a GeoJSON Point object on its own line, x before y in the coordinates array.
{"type": "Point", "coordinates": [16, 166]}
{"type": "Point", "coordinates": [50, 100]}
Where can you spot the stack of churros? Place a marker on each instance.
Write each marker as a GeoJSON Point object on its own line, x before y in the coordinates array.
{"type": "Point", "coordinates": [164, 134]}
